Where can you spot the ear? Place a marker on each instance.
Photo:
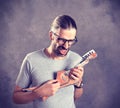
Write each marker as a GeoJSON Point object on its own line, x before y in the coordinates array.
{"type": "Point", "coordinates": [51, 35]}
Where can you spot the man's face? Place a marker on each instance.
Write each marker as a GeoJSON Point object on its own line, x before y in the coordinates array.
{"type": "Point", "coordinates": [64, 39]}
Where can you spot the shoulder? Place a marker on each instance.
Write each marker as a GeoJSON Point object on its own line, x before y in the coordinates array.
{"type": "Point", "coordinates": [73, 59]}
{"type": "Point", "coordinates": [74, 55]}
{"type": "Point", "coordinates": [34, 55]}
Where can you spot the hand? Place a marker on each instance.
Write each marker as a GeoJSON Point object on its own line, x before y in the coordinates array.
{"type": "Point", "coordinates": [47, 89]}
{"type": "Point", "coordinates": [76, 74]}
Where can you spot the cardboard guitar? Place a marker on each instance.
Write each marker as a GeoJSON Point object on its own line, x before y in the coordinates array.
{"type": "Point", "coordinates": [63, 76]}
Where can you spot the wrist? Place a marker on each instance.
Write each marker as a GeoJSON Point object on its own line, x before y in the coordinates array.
{"type": "Point", "coordinates": [79, 85]}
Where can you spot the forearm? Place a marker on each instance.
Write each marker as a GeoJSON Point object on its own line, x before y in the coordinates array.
{"type": "Point", "coordinates": [23, 97]}
{"type": "Point", "coordinates": [78, 93]}
{"type": "Point", "coordinates": [78, 90]}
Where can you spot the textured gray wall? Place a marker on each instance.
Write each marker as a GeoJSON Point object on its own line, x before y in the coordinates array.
{"type": "Point", "coordinates": [24, 26]}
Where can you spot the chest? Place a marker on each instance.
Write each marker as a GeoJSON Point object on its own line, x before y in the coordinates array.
{"type": "Point", "coordinates": [43, 71]}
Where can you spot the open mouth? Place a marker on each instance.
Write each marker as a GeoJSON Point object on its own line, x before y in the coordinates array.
{"type": "Point", "coordinates": [63, 51]}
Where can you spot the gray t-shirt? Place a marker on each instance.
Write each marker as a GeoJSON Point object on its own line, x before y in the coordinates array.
{"type": "Point", "coordinates": [37, 68]}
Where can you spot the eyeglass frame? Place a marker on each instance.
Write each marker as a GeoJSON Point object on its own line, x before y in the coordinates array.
{"type": "Point", "coordinates": [65, 40]}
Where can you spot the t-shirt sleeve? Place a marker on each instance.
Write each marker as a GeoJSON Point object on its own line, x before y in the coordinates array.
{"type": "Point", "coordinates": [24, 79]}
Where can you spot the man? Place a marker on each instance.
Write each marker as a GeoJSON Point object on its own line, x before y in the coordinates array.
{"type": "Point", "coordinates": [36, 78]}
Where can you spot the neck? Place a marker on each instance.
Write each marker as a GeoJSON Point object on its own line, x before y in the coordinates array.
{"type": "Point", "coordinates": [51, 54]}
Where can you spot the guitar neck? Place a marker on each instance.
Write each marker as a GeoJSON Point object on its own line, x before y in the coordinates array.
{"type": "Point", "coordinates": [85, 59]}
{"type": "Point", "coordinates": [87, 56]}
{"type": "Point", "coordinates": [82, 63]}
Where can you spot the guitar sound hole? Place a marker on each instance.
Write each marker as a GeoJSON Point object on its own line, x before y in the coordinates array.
{"type": "Point", "coordinates": [64, 78]}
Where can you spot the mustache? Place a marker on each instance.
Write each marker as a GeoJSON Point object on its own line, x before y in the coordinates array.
{"type": "Point", "coordinates": [62, 48]}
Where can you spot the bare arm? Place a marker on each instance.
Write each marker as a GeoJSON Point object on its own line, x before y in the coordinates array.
{"type": "Point", "coordinates": [77, 75]}
{"type": "Point", "coordinates": [78, 90]}
{"type": "Point", "coordinates": [78, 93]}
{"type": "Point", "coordinates": [45, 90]}
{"type": "Point", "coordinates": [20, 97]}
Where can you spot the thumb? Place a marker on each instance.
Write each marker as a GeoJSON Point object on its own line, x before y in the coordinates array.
{"type": "Point", "coordinates": [52, 81]}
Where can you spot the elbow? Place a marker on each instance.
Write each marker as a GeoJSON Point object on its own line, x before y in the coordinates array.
{"type": "Point", "coordinates": [15, 100]}
{"type": "Point", "coordinates": [17, 97]}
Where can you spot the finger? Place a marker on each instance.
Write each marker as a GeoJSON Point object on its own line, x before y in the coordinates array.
{"type": "Point", "coordinates": [77, 74]}
{"type": "Point", "coordinates": [77, 70]}
{"type": "Point", "coordinates": [74, 77]}
{"type": "Point", "coordinates": [52, 81]}
{"type": "Point", "coordinates": [81, 68]}
{"type": "Point", "coordinates": [56, 85]}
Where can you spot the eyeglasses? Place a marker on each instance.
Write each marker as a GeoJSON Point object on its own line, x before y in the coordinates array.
{"type": "Point", "coordinates": [62, 41]}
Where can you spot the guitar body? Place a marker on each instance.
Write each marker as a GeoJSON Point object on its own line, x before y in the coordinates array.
{"type": "Point", "coordinates": [62, 77]}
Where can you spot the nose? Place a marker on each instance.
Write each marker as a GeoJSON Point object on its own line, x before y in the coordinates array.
{"type": "Point", "coordinates": [66, 45]}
